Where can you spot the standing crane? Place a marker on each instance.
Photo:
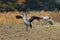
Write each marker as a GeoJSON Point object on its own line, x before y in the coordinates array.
{"type": "Point", "coordinates": [27, 21]}
{"type": "Point", "coordinates": [47, 19]}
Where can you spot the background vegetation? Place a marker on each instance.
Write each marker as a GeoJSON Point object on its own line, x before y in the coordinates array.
{"type": "Point", "coordinates": [29, 5]}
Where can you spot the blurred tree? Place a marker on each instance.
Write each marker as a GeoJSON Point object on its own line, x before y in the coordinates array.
{"type": "Point", "coordinates": [58, 5]}
{"type": "Point", "coordinates": [7, 5]}
{"type": "Point", "coordinates": [27, 5]}
{"type": "Point", "coordinates": [49, 5]}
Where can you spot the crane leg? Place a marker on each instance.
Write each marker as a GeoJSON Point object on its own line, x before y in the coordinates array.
{"type": "Point", "coordinates": [26, 28]}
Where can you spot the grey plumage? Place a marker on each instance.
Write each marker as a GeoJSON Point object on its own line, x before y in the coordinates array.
{"type": "Point", "coordinates": [27, 21]}
{"type": "Point", "coordinates": [47, 19]}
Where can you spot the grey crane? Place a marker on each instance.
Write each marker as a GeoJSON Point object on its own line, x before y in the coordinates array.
{"type": "Point", "coordinates": [47, 19]}
{"type": "Point", "coordinates": [27, 21]}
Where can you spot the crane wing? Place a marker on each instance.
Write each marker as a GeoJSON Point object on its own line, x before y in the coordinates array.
{"type": "Point", "coordinates": [19, 17]}
{"type": "Point", "coordinates": [33, 18]}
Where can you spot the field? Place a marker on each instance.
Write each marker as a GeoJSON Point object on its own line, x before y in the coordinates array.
{"type": "Point", "coordinates": [13, 29]}
{"type": "Point", "coordinates": [38, 32]}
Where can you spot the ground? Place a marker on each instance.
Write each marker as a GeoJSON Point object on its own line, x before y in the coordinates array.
{"type": "Point", "coordinates": [38, 32]}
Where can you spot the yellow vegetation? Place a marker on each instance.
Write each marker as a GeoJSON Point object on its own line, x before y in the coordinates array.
{"type": "Point", "coordinates": [10, 17]}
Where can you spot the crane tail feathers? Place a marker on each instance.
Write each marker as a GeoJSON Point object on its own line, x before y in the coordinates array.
{"type": "Point", "coordinates": [50, 22]}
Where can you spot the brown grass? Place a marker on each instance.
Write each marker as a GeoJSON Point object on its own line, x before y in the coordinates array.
{"type": "Point", "coordinates": [10, 17]}
{"type": "Point", "coordinates": [12, 29]}
{"type": "Point", "coordinates": [38, 32]}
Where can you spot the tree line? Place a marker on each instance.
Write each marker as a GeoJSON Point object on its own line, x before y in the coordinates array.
{"type": "Point", "coordinates": [29, 5]}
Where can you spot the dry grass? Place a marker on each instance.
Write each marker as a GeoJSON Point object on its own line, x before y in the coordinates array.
{"type": "Point", "coordinates": [10, 17]}
{"type": "Point", "coordinates": [13, 29]}
{"type": "Point", "coordinates": [38, 32]}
